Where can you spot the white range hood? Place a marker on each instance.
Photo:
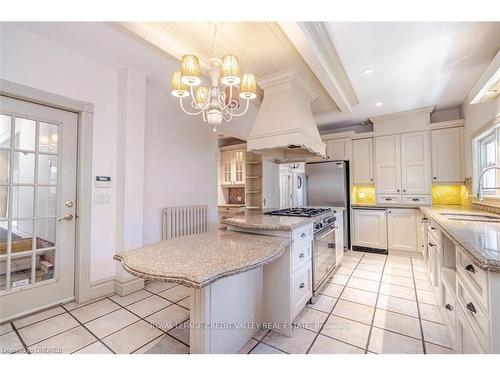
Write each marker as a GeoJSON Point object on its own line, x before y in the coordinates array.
{"type": "Point", "coordinates": [285, 128]}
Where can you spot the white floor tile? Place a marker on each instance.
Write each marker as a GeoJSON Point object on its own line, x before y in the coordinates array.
{"type": "Point", "coordinates": [23, 322]}
{"type": "Point", "coordinates": [265, 349]}
{"type": "Point", "coordinates": [323, 303]}
{"type": "Point", "coordinates": [148, 306]}
{"type": "Point", "coordinates": [46, 328]}
{"type": "Point", "coordinates": [421, 276]}
{"type": "Point", "coordinates": [398, 272]}
{"type": "Point", "coordinates": [364, 284]}
{"type": "Point", "coordinates": [345, 330]}
{"type": "Point", "coordinates": [354, 311]}
{"type": "Point", "coordinates": [327, 345]}
{"type": "Point", "coordinates": [10, 343]}
{"type": "Point", "coordinates": [73, 305]}
{"type": "Point", "coordinates": [367, 275]}
{"type": "Point", "coordinates": [343, 270]}
{"type": "Point", "coordinates": [399, 305]}
{"type": "Point", "coordinates": [181, 332]}
{"type": "Point", "coordinates": [110, 323]}
{"type": "Point", "coordinates": [260, 334]}
{"type": "Point", "coordinates": [430, 312]}
{"type": "Point", "coordinates": [436, 349]}
{"type": "Point", "coordinates": [169, 317]}
{"type": "Point", "coordinates": [397, 280]}
{"type": "Point", "coordinates": [395, 322]}
{"type": "Point", "coordinates": [94, 310]}
{"type": "Point", "coordinates": [131, 298]}
{"type": "Point", "coordinates": [339, 279]}
{"type": "Point", "coordinates": [398, 291]}
{"type": "Point", "coordinates": [426, 297]}
{"type": "Point", "coordinates": [311, 319]}
{"type": "Point", "coordinates": [385, 342]}
{"type": "Point", "coordinates": [164, 345]}
{"type": "Point", "coordinates": [64, 343]}
{"type": "Point", "coordinates": [436, 333]}
{"type": "Point", "coordinates": [359, 296]}
{"type": "Point", "coordinates": [4, 328]}
{"type": "Point", "coordinates": [333, 290]}
{"type": "Point", "coordinates": [176, 293]}
{"type": "Point", "coordinates": [371, 267]}
{"type": "Point", "coordinates": [95, 348]}
{"type": "Point", "coordinates": [424, 285]}
{"type": "Point", "coordinates": [299, 343]}
{"type": "Point", "coordinates": [250, 344]}
{"type": "Point", "coordinates": [158, 286]}
{"type": "Point", "coordinates": [132, 337]}
{"type": "Point", "coordinates": [186, 302]}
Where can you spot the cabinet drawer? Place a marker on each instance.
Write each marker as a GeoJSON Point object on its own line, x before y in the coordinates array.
{"type": "Point", "coordinates": [388, 199]}
{"type": "Point", "coordinates": [449, 304]}
{"type": "Point", "coordinates": [301, 254]}
{"type": "Point", "coordinates": [475, 277]}
{"type": "Point", "coordinates": [301, 288]}
{"type": "Point", "coordinates": [304, 233]}
{"type": "Point", "coordinates": [433, 230]}
{"type": "Point", "coordinates": [474, 313]}
{"type": "Point", "coordinates": [416, 199]}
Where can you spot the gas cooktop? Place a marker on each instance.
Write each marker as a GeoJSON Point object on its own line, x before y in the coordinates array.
{"type": "Point", "coordinates": [300, 212]}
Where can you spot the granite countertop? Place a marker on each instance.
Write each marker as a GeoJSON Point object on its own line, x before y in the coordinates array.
{"type": "Point", "coordinates": [231, 205]}
{"type": "Point", "coordinates": [478, 238]}
{"type": "Point", "coordinates": [200, 259]}
{"type": "Point", "coordinates": [258, 220]}
{"type": "Point", "coordinates": [383, 205]}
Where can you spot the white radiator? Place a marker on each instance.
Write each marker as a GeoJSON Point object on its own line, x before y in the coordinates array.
{"type": "Point", "coordinates": [182, 221]}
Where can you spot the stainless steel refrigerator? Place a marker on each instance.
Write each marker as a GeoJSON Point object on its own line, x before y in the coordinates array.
{"type": "Point", "coordinates": [327, 184]}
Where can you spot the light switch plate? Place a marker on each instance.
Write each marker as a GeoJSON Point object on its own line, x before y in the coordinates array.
{"type": "Point", "coordinates": [101, 199]}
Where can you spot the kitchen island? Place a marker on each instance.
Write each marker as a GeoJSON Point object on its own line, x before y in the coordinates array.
{"type": "Point", "coordinates": [224, 270]}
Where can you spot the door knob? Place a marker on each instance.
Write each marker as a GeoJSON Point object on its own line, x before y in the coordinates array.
{"type": "Point", "coordinates": [68, 204]}
{"type": "Point", "coordinates": [67, 217]}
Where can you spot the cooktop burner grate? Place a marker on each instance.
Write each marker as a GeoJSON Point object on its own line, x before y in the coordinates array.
{"type": "Point", "coordinates": [300, 212]}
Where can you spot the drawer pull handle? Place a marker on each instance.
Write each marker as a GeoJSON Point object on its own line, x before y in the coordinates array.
{"type": "Point", "coordinates": [303, 235]}
{"type": "Point", "coordinates": [470, 307]}
{"type": "Point", "coordinates": [433, 228]}
{"type": "Point", "coordinates": [415, 200]}
{"type": "Point", "coordinates": [302, 285]}
{"type": "Point", "coordinates": [449, 307]}
{"type": "Point", "coordinates": [388, 199]}
{"type": "Point", "coordinates": [470, 268]}
{"type": "Point", "coordinates": [301, 255]}
{"type": "Point", "coordinates": [431, 245]}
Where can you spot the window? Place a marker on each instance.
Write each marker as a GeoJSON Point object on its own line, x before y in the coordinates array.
{"type": "Point", "coordinates": [486, 154]}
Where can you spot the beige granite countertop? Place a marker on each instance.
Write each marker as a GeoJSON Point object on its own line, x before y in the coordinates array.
{"type": "Point", "coordinates": [258, 220]}
{"type": "Point", "coordinates": [200, 259]}
{"type": "Point", "coordinates": [231, 205]}
{"type": "Point", "coordinates": [478, 238]}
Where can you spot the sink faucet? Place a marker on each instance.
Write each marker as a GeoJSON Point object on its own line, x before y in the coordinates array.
{"type": "Point", "coordinates": [480, 188]}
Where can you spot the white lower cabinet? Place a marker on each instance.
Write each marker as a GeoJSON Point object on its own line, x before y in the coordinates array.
{"type": "Point", "coordinates": [402, 229]}
{"type": "Point", "coordinates": [339, 238]}
{"type": "Point", "coordinates": [301, 289]}
{"type": "Point", "coordinates": [370, 228]}
{"type": "Point", "coordinates": [467, 342]}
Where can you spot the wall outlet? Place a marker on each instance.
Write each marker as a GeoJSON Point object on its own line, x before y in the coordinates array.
{"type": "Point", "coordinates": [101, 199]}
{"type": "Point", "coordinates": [362, 194]}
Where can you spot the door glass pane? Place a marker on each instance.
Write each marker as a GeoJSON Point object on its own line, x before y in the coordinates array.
{"type": "Point", "coordinates": [44, 265]}
{"type": "Point", "coordinates": [4, 227]}
{"type": "Point", "coordinates": [20, 271]}
{"type": "Point", "coordinates": [45, 233]}
{"type": "Point", "coordinates": [24, 168]}
{"type": "Point", "coordinates": [4, 167]}
{"type": "Point", "coordinates": [5, 123]}
{"type": "Point", "coordinates": [4, 202]}
{"type": "Point", "coordinates": [49, 138]}
{"type": "Point", "coordinates": [24, 137]}
{"type": "Point", "coordinates": [22, 236]}
{"type": "Point", "coordinates": [47, 169]}
{"type": "Point", "coordinates": [3, 274]}
{"type": "Point", "coordinates": [47, 202]}
{"type": "Point", "coordinates": [22, 202]}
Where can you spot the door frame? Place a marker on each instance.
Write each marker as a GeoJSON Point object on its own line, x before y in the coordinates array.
{"type": "Point", "coordinates": [83, 206]}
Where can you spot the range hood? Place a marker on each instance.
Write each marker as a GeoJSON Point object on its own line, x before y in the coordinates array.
{"type": "Point", "coordinates": [285, 128]}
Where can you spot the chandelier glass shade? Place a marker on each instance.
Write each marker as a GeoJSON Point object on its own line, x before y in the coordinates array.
{"type": "Point", "coordinates": [219, 100]}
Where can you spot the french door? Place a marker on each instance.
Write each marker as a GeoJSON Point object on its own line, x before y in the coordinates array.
{"type": "Point", "coordinates": [38, 149]}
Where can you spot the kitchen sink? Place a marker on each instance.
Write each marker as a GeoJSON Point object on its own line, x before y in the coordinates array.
{"type": "Point", "coordinates": [471, 217]}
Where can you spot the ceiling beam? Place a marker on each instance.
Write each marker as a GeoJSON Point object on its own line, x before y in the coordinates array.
{"type": "Point", "coordinates": [312, 41]}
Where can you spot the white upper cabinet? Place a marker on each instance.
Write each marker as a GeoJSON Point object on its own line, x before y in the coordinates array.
{"type": "Point", "coordinates": [338, 149]}
{"type": "Point", "coordinates": [402, 229]}
{"type": "Point", "coordinates": [446, 155]}
{"type": "Point", "coordinates": [226, 167]}
{"type": "Point", "coordinates": [415, 163]}
{"type": "Point", "coordinates": [233, 167]}
{"type": "Point", "coordinates": [362, 160]}
{"type": "Point", "coordinates": [388, 164]}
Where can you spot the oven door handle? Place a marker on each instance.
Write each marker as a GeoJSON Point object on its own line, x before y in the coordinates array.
{"type": "Point", "coordinates": [323, 234]}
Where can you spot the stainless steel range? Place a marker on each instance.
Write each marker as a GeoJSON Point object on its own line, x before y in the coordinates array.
{"type": "Point", "coordinates": [324, 244]}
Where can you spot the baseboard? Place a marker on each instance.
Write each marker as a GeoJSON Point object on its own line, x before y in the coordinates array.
{"type": "Point", "coordinates": [111, 285]}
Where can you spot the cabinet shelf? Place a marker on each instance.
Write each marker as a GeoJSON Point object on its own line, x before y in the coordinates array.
{"type": "Point", "coordinates": [253, 162]}
{"type": "Point", "coordinates": [253, 177]}
{"type": "Point", "coordinates": [253, 192]}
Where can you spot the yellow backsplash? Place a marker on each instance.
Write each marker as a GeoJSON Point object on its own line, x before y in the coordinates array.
{"type": "Point", "coordinates": [363, 194]}
{"type": "Point", "coordinates": [449, 194]}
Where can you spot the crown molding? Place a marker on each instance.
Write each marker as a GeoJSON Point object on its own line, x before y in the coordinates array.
{"type": "Point", "coordinates": [403, 114]}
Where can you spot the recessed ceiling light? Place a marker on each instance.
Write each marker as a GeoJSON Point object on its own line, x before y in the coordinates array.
{"type": "Point", "coordinates": [368, 71]}
{"type": "Point", "coordinates": [378, 104]}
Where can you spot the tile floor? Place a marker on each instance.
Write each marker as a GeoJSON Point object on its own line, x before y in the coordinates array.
{"type": "Point", "coordinates": [373, 304]}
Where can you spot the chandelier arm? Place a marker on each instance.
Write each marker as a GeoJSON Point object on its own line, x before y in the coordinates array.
{"type": "Point", "coordinates": [222, 101]}
{"type": "Point", "coordinates": [204, 115]}
{"type": "Point", "coordinates": [242, 113]}
{"type": "Point", "coordinates": [194, 105]}
{"type": "Point", "coordinates": [187, 112]}
{"type": "Point", "coordinates": [229, 118]}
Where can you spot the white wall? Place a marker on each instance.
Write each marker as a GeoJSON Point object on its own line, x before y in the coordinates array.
{"type": "Point", "coordinates": [180, 161]}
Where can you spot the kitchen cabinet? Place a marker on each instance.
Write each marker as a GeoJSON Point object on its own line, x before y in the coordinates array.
{"type": "Point", "coordinates": [362, 161]}
{"type": "Point", "coordinates": [339, 238]}
{"type": "Point", "coordinates": [388, 164]}
{"type": "Point", "coordinates": [338, 149]}
{"type": "Point", "coordinates": [467, 342]}
{"type": "Point", "coordinates": [270, 184]}
{"type": "Point", "coordinates": [370, 228]}
{"type": "Point", "coordinates": [233, 167]}
{"type": "Point", "coordinates": [447, 160]}
{"type": "Point", "coordinates": [402, 229]}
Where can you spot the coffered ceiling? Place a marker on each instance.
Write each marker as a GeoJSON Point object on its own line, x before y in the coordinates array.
{"type": "Point", "coordinates": [263, 48]}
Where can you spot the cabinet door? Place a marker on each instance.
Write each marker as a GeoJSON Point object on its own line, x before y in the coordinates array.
{"type": "Point", "coordinates": [270, 184]}
{"type": "Point", "coordinates": [446, 155]}
{"type": "Point", "coordinates": [387, 164]}
{"type": "Point", "coordinates": [466, 340]}
{"type": "Point", "coordinates": [239, 166]}
{"type": "Point", "coordinates": [370, 228]}
{"type": "Point", "coordinates": [226, 167]}
{"type": "Point", "coordinates": [402, 229]}
{"type": "Point", "coordinates": [338, 149]}
{"type": "Point", "coordinates": [362, 160]}
{"type": "Point", "coordinates": [415, 163]}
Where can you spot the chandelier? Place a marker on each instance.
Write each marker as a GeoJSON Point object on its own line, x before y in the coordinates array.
{"type": "Point", "coordinates": [220, 101]}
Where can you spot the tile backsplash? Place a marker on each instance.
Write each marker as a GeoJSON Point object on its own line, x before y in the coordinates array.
{"type": "Point", "coordinates": [236, 195]}
{"type": "Point", "coordinates": [449, 194]}
{"type": "Point", "coordinates": [363, 194]}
